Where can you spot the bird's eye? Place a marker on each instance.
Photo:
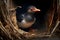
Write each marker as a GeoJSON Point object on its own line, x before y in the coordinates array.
{"type": "Point", "coordinates": [31, 9]}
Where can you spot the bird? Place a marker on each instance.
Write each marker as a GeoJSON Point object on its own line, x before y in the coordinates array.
{"type": "Point", "coordinates": [25, 18]}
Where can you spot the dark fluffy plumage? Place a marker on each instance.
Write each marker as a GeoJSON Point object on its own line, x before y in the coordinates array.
{"type": "Point", "coordinates": [25, 16]}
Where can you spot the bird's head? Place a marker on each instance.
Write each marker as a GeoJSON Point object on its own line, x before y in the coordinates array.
{"type": "Point", "coordinates": [33, 9]}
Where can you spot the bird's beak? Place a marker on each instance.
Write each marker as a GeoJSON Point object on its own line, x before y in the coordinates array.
{"type": "Point", "coordinates": [36, 10]}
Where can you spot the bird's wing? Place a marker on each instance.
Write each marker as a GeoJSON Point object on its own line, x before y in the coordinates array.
{"type": "Point", "coordinates": [19, 12]}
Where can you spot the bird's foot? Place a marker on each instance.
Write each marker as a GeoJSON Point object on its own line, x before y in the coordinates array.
{"type": "Point", "coordinates": [32, 30]}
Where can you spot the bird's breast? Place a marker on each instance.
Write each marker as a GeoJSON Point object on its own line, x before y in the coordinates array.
{"type": "Point", "coordinates": [25, 24]}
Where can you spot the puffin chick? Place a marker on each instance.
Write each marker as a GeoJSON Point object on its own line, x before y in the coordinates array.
{"type": "Point", "coordinates": [27, 19]}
